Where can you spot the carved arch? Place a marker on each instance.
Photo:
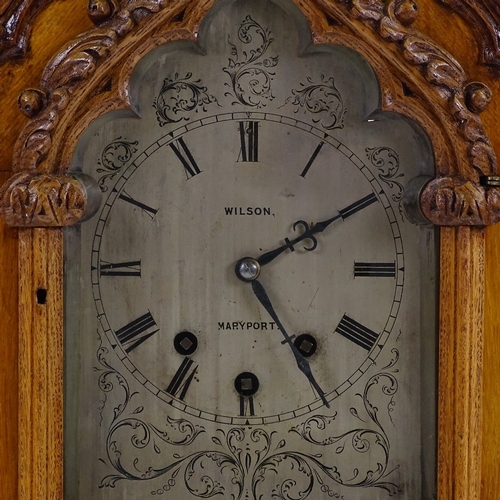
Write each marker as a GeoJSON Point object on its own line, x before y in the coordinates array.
{"type": "Point", "coordinates": [418, 78]}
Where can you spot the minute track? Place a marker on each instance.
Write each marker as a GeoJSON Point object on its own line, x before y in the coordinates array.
{"type": "Point", "coordinates": [362, 199]}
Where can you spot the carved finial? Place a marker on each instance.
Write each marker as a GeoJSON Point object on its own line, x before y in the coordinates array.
{"type": "Point", "coordinates": [100, 10]}
{"type": "Point", "coordinates": [406, 12]}
{"type": "Point", "coordinates": [31, 102]}
{"type": "Point", "coordinates": [477, 97]}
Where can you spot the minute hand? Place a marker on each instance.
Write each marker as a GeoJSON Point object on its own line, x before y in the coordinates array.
{"type": "Point", "coordinates": [302, 362]}
{"type": "Point", "coordinates": [319, 227]}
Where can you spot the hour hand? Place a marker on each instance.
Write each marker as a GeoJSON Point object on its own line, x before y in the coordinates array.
{"type": "Point", "coordinates": [309, 230]}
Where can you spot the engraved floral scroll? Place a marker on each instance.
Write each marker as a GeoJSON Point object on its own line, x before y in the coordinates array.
{"type": "Point", "coordinates": [245, 462]}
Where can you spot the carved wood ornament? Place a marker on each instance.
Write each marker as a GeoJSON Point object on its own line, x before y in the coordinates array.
{"type": "Point", "coordinates": [89, 77]}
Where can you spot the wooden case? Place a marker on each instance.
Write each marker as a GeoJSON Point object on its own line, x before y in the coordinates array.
{"type": "Point", "coordinates": [419, 78]}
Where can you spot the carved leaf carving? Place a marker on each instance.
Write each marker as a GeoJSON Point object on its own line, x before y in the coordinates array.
{"type": "Point", "coordinates": [447, 199]}
{"type": "Point", "coordinates": [78, 60]}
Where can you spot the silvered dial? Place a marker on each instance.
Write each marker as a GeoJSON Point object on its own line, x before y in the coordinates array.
{"type": "Point", "coordinates": [149, 287]}
{"type": "Point", "coordinates": [252, 298]}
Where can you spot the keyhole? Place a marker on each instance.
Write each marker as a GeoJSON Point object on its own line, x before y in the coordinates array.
{"type": "Point", "coordinates": [41, 296]}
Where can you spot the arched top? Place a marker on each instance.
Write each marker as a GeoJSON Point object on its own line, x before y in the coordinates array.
{"type": "Point", "coordinates": [417, 79]}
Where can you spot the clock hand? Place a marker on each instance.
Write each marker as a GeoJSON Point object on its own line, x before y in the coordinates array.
{"type": "Point", "coordinates": [319, 227]}
{"type": "Point", "coordinates": [302, 363]}
{"type": "Point", "coordinates": [248, 270]}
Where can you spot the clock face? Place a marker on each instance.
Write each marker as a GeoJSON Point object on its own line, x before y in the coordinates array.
{"type": "Point", "coordinates": [172, 307]}
{"type": "Point", "coordinates": [251, 298]}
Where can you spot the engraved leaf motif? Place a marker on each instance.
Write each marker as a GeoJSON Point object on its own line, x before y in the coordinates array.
{"type": "Point", "coordinates": [250, 82]}
{"type": "Point", "coordinates": [281, 444]}
{"type": "Point", "coordinates": [316, 430]}
{"type": "Point", "coordinates": [178, 97]}
{"type": "Point", "coordinates": [322, 99]}
{"type": "Point", "coordinates": [113, 158]}
{"type": "Point", "coordinates": [354, 412]}
{"type": "Point", "coordinates": [387, 162]}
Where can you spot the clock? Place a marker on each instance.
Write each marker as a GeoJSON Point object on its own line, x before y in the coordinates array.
{"type": "Point", "coordinates": [303, 363]}
{"type": "Point", "coordinates": [252, 293]}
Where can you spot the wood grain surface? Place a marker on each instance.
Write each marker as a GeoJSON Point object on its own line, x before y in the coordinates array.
{"type": "Point", "coordinates": [61, 22]}
{"type": "Point", "coordinates": [456, 35]}
{"type": "Point", "coordinates": [8, 359]}
{"type": "Point", "coordinates": [16, 19]}
{"type": "Point", "coordinates": [491, 374]}
{"type": "Point", "coordinates": [460, 350]}
{"type": "Point", "coordinates": [40, 390]}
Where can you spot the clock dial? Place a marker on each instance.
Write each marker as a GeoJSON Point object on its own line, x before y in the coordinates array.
{"type": "Point", "coordinates": [250, 277]}
{"type": "Point", "coordinates": [149, 287]}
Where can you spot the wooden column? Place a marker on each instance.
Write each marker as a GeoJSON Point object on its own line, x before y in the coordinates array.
{"type": "Point", "coordinates": [460, 354]}
{"type": "Point", "coordinates": [8, 358]}
{"type": "Point", "coordinates": [40, 364]}
{"type": "Point", "coordinates": [491, 374]}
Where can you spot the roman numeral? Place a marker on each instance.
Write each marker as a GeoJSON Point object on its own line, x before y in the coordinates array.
{"type": "Point", "coordinates": [249, 140]}
{"type": "Point", "coordinates": [182, 379]}
{"type": "Point", "coordinates": [150, 212]}
{"type": "Point", "coordinates": [311, 160]}
{"type": "Point", "coordinates": [356, 332]}
{"type": "Point", "coordinates": [246, 406]}
{"type": "Point", "coordinates": [136, 332]}
{"type": "Point", "coordinates": [375, 269]}
{"type": "Point", "coordinates": [182, 152]}
{"type": "Point", "coordinates": [358, 205]}
{"type": "Point", "coordinates": [132, 268]}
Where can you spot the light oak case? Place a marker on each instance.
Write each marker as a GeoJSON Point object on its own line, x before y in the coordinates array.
{"type": "Point", "coordinates": [418, 78]}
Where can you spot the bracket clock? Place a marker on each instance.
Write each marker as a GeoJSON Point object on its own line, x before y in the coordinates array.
{"type": "Point", "coordinates": [249, 230]}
